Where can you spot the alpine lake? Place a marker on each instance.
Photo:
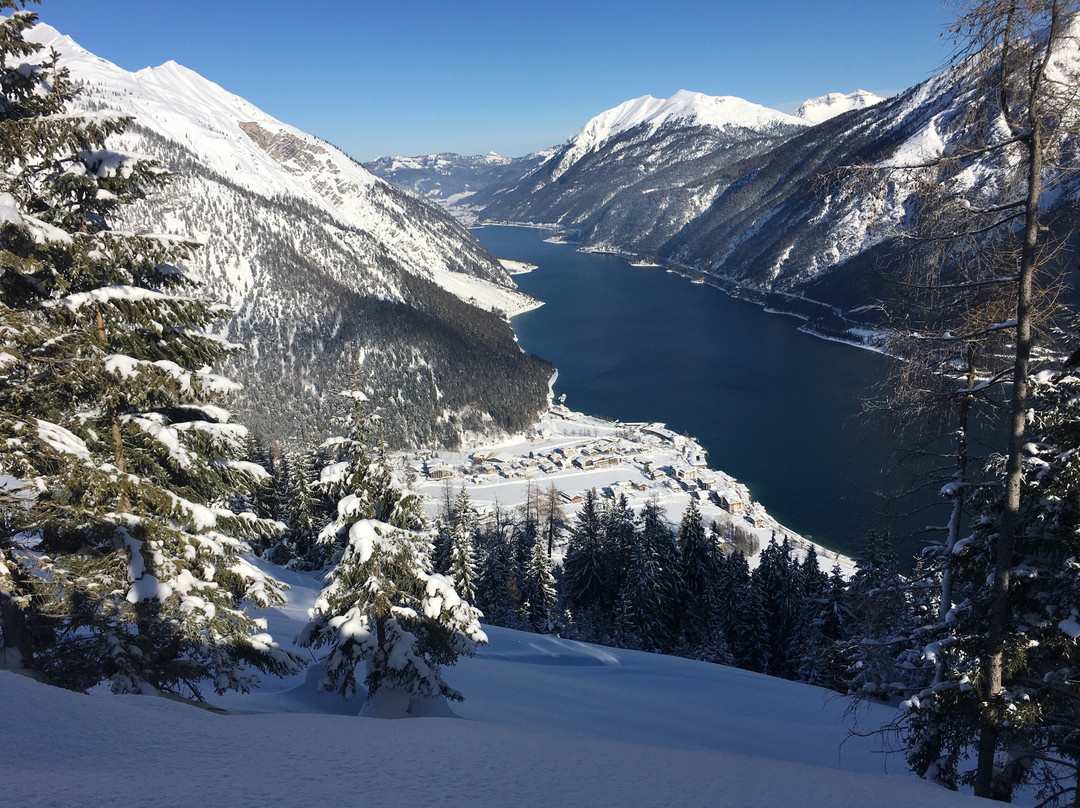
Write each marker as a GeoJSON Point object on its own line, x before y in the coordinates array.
{"type": "Point", "coordinates": [779, 409]}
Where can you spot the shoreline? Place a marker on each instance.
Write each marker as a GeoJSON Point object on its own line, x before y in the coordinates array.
{"type": "Point", "coordinates": [768, 301]}
{"type": "Point", "coordinates": [575, 452]}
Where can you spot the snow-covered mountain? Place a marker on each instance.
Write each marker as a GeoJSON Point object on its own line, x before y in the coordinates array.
{"type": "Point", "coordinates": [772, 223]}
{"type": "Point", "coordinates": [627, 179]}
{"type": "Point", "coordinates": [323, 261]}
{"type": "Point", "coordinates": [820, 109]}
{"type": "Point", "coordinates": [724, 187]}
{"type": "Point", "coordinates": [450, 180]}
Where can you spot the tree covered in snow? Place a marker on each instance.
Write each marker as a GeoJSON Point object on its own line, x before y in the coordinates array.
{"type": "Point", "coordinates": [700, 561]}
{"type": "Point", "coordinates": [463, 570]}
{"type": "Point", "coordinates": [648, 615]}
{"type": "Point", "coordinates": [538, 593]}
{"type": "Point", "coordinates": [498, 592]}
{"type": "Point", "coordinates": [120, 558]}
{"type": "Point", "coordinates": [584, 576]}
{"type": "Point", "coordinates": [1039, 738]}
{"type": "Point", "coordinates": [383, 607]}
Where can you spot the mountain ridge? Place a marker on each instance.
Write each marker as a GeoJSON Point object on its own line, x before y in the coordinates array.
{"type": "Point", "coordinates": [327, 266]}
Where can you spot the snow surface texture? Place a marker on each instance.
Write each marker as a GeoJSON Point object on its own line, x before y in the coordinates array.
{"type": "Point", "coordinates": [546, 722]}
{"type": "Point", "coordinates": [821, 109]}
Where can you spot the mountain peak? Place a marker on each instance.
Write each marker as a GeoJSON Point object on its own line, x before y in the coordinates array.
{"type": "Point", "coordinates": [684, 107]}
{"type": "Point", "coordinates": [820, 109]}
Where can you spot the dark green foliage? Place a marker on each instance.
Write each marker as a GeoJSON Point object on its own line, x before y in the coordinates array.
{"type": "Point", "coordinates": [700, 561]}
{"type": "Point", "coordinates": [121, 560]}
{"type": "Point", "coordinates": [780, 582]}
{"type": "Point", "coordinates": [1037, 727]}
{"type": "Point", "coordinates": [584, 578]}
{"type": "Point", "coordinates": [648, 615]}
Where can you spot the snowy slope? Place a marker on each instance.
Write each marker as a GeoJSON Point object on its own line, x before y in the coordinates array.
{"type": "Point", "coordinates": [685, 108]}
{"type": "Point", "coordinates": [822, 108]}
{"type": "Point", "coordinates": [545, 722]}
{"type": "Point", "coordinates": [232, 137]}
{"type": "Point", "coordinates": [321, 261]}
{"type": "Point", "coordinates": [629, 179]}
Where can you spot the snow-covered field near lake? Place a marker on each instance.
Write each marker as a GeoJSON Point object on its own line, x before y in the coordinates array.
{"type": "Point", "coordinates": [546, 722]}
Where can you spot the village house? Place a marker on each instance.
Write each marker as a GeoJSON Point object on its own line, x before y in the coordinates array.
{"type": "Point", "coordinates": [731, 503]}
{"type": "Point", "coordinates": [437, 470]}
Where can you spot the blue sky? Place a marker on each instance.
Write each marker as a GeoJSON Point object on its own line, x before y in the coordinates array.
{"type": "Point", "coordinates": [413, 77]}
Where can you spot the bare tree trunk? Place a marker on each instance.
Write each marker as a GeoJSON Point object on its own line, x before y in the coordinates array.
{"type": "Point", "coordinates": [1004, 546]}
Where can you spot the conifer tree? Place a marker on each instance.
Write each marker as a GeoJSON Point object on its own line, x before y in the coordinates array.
{"type": "Point", "coordinates": [583, 580]}
{"type": "Point", "coordinates": [742, 614]}
{"type": "Point", "coordinates": [648, 606]}
{"type": "Point", "coordinates": [780, 583]}
{"type": "Point", "coordinates": [462, 558]}
{"type": "Point", "coordinates": [877, 597]}
{"type": "Point", "coordinates": [122, 561]}
{"type": "Point", "coordinates": [497, 592]}
{"type": "Point", "coordinates": [1042, 681]}
{"type": "Point", "coordinates": [700, 563]}
{"type": "Point", "coordinates": [824, 634]}
{"type": "Point", "coordinates": [307, 509]}
{"type": "Point", "coordinates": [382, 606]}
{"type": "Point", "coordinates": [538, 588]}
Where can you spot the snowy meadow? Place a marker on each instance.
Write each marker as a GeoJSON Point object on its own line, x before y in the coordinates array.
{"type": "Point", "coordinates": [545, 721]}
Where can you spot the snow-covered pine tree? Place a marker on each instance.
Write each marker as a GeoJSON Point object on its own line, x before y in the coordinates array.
{"type": "Point", "coordinates": [617, 541]}
{"type": "Point", "coordinates": [307, 509]}
{"type": "Point", "coordinates": [648, 604]}
{"type": "Point", "coordinates": [583, 578]}
{"type": "Point", "coordinates": [463, 571]}
{"type": "Point", "coordinates": [741, 614]}
{"type": "Point", "coordinates": [497, 592]}
{"type": "Point", "coordinates": [781, 585]}
{"type": "Point", "coordinates": [700, 563]}
{"type": "Point", "coordinates": [825, 631]}
{"type": "Point", "coordinates": [878, 599]}
{"type": "Point", "coordinates": [122, 561]}
{"type": "Point", "coordinates": [382, 606]}
{"type": "Point", "coordinates": [1040, 741]}
{"type": "Point", "coordinates": [538, 588]}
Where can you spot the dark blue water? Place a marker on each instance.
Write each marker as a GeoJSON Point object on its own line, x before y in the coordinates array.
{"type": "Point", "coordinates": [778, 409]}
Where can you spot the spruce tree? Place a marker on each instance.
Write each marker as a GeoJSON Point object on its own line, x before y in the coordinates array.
{"type": "Point", "coordinates": [780, 583]}
{"type": "Point", "coordinates": [584, 582]}
{"type": "Point", "coordinates": [878, 599]}
{"type": "Point", "coordinates": [538, 588]}
{"type": "Point", "coordinates": [700, 562]}
{"type": "Point", "coordinates": [498, 593]}
{"type": "Point", "coordinates": [1042, 677]}
{"type": "Point", "coordinates": [122, 560]}
{"type": "Point", "coordinates": [463, 570]}
{"type": "Point", "coordinates": [648, 607]}
{"type": "Point", "coordinates": [382, 606]}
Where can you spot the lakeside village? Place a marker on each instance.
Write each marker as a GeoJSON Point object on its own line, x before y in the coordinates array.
{"type": "Point", "coordinates": [575, 453]}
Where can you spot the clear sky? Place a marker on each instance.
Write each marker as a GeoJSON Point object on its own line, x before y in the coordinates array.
{"type": "Point", "coordinates": [410, 77]}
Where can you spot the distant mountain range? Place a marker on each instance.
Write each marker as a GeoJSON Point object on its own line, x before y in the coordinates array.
{"type": "Point", "coordinates": [329, 268]}
{"type": "Point", "coordinates": [720, 186]}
